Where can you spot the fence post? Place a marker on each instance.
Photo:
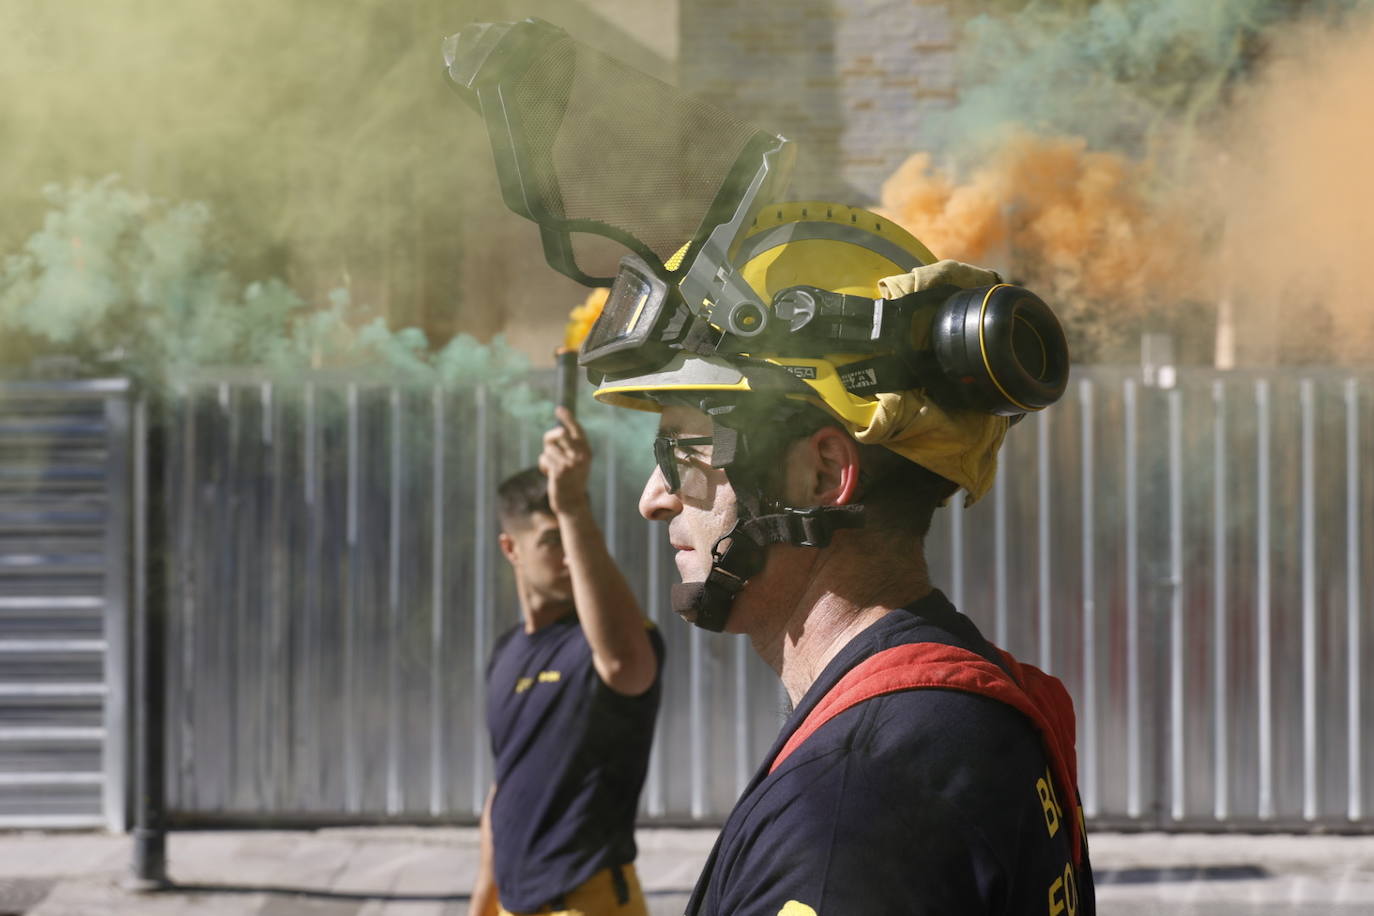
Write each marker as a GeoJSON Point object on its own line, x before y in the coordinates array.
{"type": "Point", "coordinates": [150, 653]}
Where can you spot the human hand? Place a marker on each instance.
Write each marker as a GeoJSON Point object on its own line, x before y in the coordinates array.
{"type": "Point", "coordinates": [567, 462]}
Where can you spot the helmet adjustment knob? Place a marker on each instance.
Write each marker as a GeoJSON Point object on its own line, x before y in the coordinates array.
{"type": "Point", "coordinates": [795, 306]}
{"type": "Point", "coordinates": [745, 319]}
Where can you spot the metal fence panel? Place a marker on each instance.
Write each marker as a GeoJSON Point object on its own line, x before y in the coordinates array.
{"type": "Point", "coordinates": [64, 529]}
{"type": "Point", "coordinates": [1189, 559]}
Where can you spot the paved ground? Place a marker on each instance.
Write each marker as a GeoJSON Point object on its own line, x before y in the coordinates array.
{"type": "Point", "coordinates": [427, 872]}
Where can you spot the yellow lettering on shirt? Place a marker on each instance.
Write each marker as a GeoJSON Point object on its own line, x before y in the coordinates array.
{"type": "Point", "coordinates": [1044, 787]}
{"type": "Point", "coordinates": [796, 908]}
{"type": "Point", "coordinates": [548, 677]}
{"type": "Point", "coordinates": [525, 683]}
{"type": "Point", "coordinates": [1064, 893]}
{"type": "Point", "coordinates": [1057, 905]}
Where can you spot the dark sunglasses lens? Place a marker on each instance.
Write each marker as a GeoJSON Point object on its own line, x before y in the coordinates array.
{"type": "Point", "coordinates": [667, 462]}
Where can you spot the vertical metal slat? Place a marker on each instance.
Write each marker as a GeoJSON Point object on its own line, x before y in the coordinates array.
{"type": "Point", "coordinates": [114, 751]}
{"type": "Point", "coordinates": [655, 804]}
{"type": "Point", "coordinates": [438, 763]}
{"type": "Point", "coordinates": [393, 600]}
{"type": "Point", "coordinates": [228, 628]}
{"type": "Point", "coordinates": [1307, 404]}
{"type": "Point", "coordinates": [275, 698]}
{"type": "Point", "coordinates": [1177, 722]}
{"type": "Point", "coordinates": [352, 768]}
{"type": "Point", "coordinates": [697, 723]}
{"type": "Point", "coordinates": [1354, 810]}
{"type": "Point", "coordinates": [1091, 800]}
{"type": "Point", "coordinates": [187, 610]}
{"type": "Point", "coordinates": [1264, 685]}
{"type": "Point", "coordinates": [308, 762]}
{"type": "Point", "coordinates": [1134, 742]}
{"type": "Point", "coordinates": [1221, 786]}
{"type": "Point", "coordinates": [482, 591]}
{"type": "Point", "coordinates": [1044, 529]}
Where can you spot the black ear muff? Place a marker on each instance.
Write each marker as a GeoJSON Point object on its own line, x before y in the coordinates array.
{"type": "Point", "coordinates": [1001, 350]}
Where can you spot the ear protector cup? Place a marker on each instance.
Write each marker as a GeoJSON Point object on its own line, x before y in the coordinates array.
{"type": "Point", "coordinates": [1001, 350]}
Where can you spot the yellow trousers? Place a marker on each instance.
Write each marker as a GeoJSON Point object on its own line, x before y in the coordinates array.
{"type": "Point", "coordinates": [597, 897]}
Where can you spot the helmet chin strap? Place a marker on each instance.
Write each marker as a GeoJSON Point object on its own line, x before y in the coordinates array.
{"type": "Point", "coordinates": [707, 604]}
{"type": "Point", "coordinates": [760, 524]}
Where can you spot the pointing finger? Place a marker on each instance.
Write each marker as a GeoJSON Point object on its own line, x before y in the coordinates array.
{"type": "Point", "coordinates": [575, 430]}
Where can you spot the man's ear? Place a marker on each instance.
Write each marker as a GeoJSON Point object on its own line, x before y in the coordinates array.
{"type": "Point", "coordinates": [834, 467]}
{"type": "Point", "coordinates": [507, 546]}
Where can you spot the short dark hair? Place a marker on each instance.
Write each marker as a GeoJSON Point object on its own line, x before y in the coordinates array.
{"type": "Point", "coordinates": [900, 497]}
{"type": "Point", "coordinates": [521, 495]}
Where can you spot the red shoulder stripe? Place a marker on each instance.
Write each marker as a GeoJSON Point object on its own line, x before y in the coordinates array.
{"type": "Point", "coordinates": [1036, 695]}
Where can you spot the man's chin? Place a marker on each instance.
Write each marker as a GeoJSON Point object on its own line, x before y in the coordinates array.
{"type": "Point", "coordinates": [687, 570]}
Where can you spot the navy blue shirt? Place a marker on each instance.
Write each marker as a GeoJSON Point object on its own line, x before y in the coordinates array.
{"type": "Point", "coordinates": [571, 755]}
{"type": "Point", "coordinates": [922, 801]}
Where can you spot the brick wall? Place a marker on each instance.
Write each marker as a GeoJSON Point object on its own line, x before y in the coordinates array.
{"type": "Point", "coordinates": [851, 80]}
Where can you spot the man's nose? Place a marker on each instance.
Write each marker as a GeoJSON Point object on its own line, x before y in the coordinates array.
{"type": "Point", "coordinates": [656, 503]}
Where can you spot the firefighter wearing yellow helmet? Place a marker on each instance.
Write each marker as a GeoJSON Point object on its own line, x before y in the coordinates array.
{"type": "Point", "coordinates": [836, 387]}
{"type": "Point", "coordinates": [838, 318]}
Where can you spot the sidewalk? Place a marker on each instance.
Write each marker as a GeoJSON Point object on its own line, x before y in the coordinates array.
{"type": "Point", "coordinates": [427, 872]}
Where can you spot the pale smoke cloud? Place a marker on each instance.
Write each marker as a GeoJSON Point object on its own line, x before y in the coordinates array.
{"type": "Point", "coordinates": [1297, 191]}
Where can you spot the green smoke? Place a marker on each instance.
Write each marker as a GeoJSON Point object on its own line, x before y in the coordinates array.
{"type": "Point", "coordinates": [123, 283]}
{"type": "Point", "coordinates": [321, 132]}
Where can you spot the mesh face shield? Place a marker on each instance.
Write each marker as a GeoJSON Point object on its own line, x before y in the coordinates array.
{"type": "Point", "coordinates": [605, 158]}
{"type": "Point", "coordinates": [592, 150]}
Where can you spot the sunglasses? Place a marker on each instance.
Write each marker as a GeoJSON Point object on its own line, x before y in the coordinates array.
{"type": "Point", "coordinates": [665, 453]}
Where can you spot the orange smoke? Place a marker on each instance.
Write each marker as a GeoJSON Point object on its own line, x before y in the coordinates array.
{"type": "Point", "coordinates": [1299, 197]}
{"type": "Point", "coordinates": [582, 317]}
{"type": "Point", "coordinates": [1253, 252]}
{"type": "Point", "coordinates": [1077, 226]}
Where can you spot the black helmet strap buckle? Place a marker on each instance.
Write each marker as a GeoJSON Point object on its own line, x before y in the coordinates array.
{"type": "Point", "coordinates": [812, 526]}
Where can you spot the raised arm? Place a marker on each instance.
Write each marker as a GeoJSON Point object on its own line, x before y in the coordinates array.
{"type": "Point", "coordinates": [609, 614]}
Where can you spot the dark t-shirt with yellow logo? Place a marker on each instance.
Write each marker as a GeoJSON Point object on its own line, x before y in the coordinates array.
{"type": "Point", "coordinates": [571, 756]}
{"type": "Point", "coordinates": [923, 801]}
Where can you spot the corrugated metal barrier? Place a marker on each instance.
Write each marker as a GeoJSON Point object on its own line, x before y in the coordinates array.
{"type": "Point", "coordinates": [1189, 559]}
{"type": "Point", "coordinates": [64, 537]}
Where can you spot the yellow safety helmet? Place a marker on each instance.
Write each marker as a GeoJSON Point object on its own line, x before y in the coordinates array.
{"type": "Point", "coordinates": [845, 271]}
{"type": "Point", "coordinates": [823, 245]}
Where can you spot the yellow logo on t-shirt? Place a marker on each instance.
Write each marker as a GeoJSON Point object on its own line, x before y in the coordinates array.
{"type": "Point", "coordinates": [796, 908]}
{"type": "Point", "coordinates": [545, 677]}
